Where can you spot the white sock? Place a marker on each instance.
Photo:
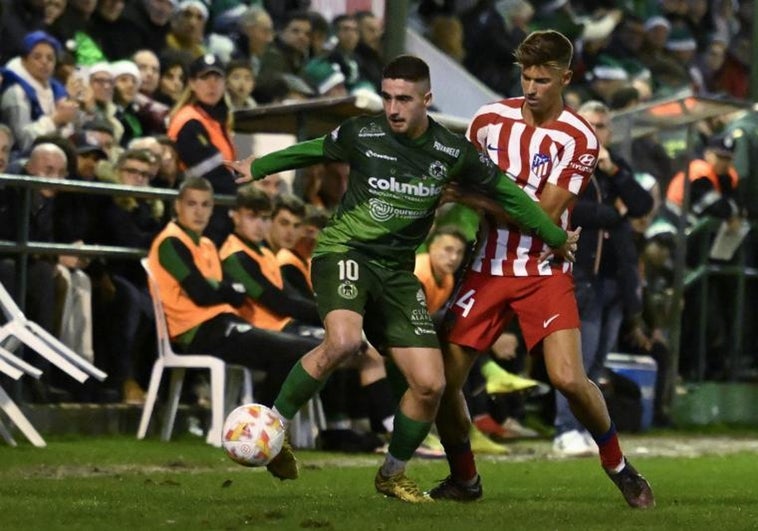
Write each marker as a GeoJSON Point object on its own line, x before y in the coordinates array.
{"type": "Point", "coordinates": [285, 421]}
{"type": "Point", "coordinates": [392, 466]}
{"type": "Point", "coordinates": [389, 423]}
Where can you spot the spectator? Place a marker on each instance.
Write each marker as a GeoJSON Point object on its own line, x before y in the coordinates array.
{"type": "Point", "coordinates": [98, 102]}
{"type": "Point", "coordinates": [150, 71]}
{"type": "Point", "coordinates": [100, 133]}
{"type": "Point", "coordinates": [74, 29]}
{"type": "Point", "coordinates": [369, 50]}
{"type": "Point", "coordinates": [173, 77]}
{"type": "Point", "coordinates": [53, 10]}
{"type": "Point", "coordinates": [325, 77]}
{"type": "Point", "coordinates": [605, 273]}
{"type": "Point", "coordinates": [151, 17]}
{"type": "Point", "coordinates": [126, 81]}
{"type": "Point", "coordinates": [33, 102]}
{"type": "Point", "coordinates": [131, 222]}
{"type": "Point", "coordinates": [257, 32]}
{"type": "Point", "coordinates": [45, 160]}
{"type": "Point", "coordinates": [346, 31]}
{"type": "Point", "coordinates": [116, 35]}
{"type": "Point", "coordinates": [240, 83]}
{"type": "Point", "coordinates": [321, 43]}
{"type": "Point", "coordinates": [188, 28]}
{"type": "Point", "coordinates": [200, 127]}
{"type": "Point", "coordinates": [288, 53]}
{"type": "Point", "coordinates": [489, 47]}
{"type": "Point", "coordinates": [18, 19]}
{"type": "Point", "coordinates": [446, 33]}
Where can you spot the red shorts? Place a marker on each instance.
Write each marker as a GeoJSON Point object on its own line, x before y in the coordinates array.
{"type": "Point", "coordinates": [485, 304]}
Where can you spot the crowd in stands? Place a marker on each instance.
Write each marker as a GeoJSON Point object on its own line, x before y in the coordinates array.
{"type": "Point", "coordinates": [143, 93]}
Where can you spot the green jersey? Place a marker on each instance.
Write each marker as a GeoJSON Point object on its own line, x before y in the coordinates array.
{"type": "Point", "coordinates": [395, 184]}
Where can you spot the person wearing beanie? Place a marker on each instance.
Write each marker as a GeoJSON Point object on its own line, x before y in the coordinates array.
{"type": "Point", "coordinates": [34, 103]}
{"type": "Point", "coordinates": [126, 80]}
{"type": "Point", "coordinates": [98, 104]}
{"type": "Point", "coordinates": [325, 78]}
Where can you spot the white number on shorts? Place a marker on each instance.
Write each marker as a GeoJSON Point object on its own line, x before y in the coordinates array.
{"type": "Point", "coordinates": [348, 269]}
{"type": "Point", "coordinates": [466, 301]}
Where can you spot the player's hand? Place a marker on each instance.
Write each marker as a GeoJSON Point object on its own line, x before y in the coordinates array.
{"type": "Point", "coordinates": [566, 251]}
{"type": "Point", "coordinates": [241, 168]}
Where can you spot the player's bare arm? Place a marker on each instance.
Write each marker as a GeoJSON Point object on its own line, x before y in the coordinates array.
{"type": "Point", "coordinates": [554, 201]}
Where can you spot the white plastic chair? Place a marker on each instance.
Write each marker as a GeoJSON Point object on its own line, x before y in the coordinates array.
{"type": "Point", "coordinates": [44, 343]}
{"type": "Point", "coordinates": [306, 424]}
{"type": "Point", "coordinates": [178, 364]}
{"type": "Point", "coordinates": [15, 367]}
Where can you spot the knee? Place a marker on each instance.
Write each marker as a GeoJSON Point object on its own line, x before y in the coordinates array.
{"type": "Point", "coordinates": [429, 390]}
{"type": "Point", "coordinates": [569, 384]}
{"type": "Point", "coordinates": [342, 346]}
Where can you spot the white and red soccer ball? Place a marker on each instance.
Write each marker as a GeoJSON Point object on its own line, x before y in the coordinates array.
{"type": "Point", "coordinates": [253, 435]}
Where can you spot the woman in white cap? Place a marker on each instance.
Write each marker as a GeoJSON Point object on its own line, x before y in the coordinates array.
{"type": "Point", "coordinates": [200, 125]}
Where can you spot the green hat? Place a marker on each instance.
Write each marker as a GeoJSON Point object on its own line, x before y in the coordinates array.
{"type": "Point", "coordinates": [323, 75]}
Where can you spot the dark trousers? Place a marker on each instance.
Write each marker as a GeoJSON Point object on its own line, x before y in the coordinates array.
{"type": "Point", "coordinates": [230, 338]}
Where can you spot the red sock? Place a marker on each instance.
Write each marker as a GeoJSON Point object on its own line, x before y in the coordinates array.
{"type": "Point", "coordinates": [610, 449]}
{"type": "Point", "coordinates": [461, 461]}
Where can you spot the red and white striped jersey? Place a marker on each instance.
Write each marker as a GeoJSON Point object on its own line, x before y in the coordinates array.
{"type": "Point", "coordinates": [563, 153]}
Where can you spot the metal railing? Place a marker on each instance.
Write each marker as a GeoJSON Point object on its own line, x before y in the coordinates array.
{"type": "Point", "coordinates": [23, 248]}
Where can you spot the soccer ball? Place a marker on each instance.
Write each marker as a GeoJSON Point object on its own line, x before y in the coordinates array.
{"type": "Point", "coordinates": [253, 435]}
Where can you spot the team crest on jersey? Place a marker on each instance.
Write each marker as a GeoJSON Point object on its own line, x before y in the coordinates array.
{"type": "Point", "coordinates": [347, 290]}
{"type": "Point", "coordinates": [438, 170]}
{"type": "Point", "coordinates": [485, 160]}
{"type": "Point", "coordinates": [541, 164]}
{"type": "Point", "coordinates": [371, 130]}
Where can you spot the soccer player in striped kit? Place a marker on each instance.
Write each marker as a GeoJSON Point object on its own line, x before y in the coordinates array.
{"type": "Point", "coordinates": [550, 152]}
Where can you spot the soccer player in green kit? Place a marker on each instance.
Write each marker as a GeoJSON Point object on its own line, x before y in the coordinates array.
{"type": "Point", "coordinates": [363, 263]}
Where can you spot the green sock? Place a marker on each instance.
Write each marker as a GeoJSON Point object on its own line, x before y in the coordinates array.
{"type": "Point", "coordinates": [296, 390]}
{"type": "Point", "coordinates": [407, 436]}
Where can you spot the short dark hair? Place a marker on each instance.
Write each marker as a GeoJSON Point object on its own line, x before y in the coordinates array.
{"type": "Point", "coordinates": [194, 183]}
{"type": "Point", "coordinates": [301, 15]}
{"type": "Point", "coordinates": [238, 64]}
{"type": "Point", "coordinates": [545, 48]}
{"type": "Point", "coordinates": [288, 202]}
{"type": "Point", "coordinates": [339, 19]}
{"type": "Point", "coordinates": [448, 230]}
{"type": "Point", "coordinates": [408, 68]}
{"type": "Point", "coordinates": [315, 216]}
{"type": "Point", "coordinates": [252, 198]}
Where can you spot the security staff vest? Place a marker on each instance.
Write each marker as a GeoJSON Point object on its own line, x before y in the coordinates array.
{"type": "Point", "coordinates": [216, 131]}
{"type": "Point", "coordinates": [286, 257]}
{"type": "Point", "coordinates": [436, 294]}
{"type": "Point", "coordinates": [252, 311]}
{"type": "Point", "coordinates": [698, 169]}
{"type": "Point", "coordinates": [182, 314]}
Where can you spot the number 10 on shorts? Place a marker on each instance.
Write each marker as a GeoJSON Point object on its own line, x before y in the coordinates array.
{"type": "Point", "coordinates": [466, 301]}
{"type": "Point", "coordinates": [348, 269]}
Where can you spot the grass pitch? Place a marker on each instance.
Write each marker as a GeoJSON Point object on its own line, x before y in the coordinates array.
{"type": "Point", "coordinates": [120, 483]}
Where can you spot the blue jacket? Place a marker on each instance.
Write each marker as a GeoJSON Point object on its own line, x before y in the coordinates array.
{"type": "Point", "coordinates": [11, 78]}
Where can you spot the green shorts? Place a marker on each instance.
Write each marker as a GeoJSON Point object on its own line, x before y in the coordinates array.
{"type": "Point", "coordinates": [392, 302]}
